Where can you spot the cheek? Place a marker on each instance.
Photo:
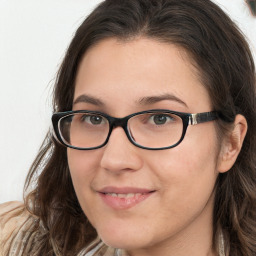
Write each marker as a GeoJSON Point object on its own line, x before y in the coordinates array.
{"type": "Point", "coordinates": [184, 161]}
{"type": "Point", "coordinates": [83, 167]}
{"type": "Point", "coordinates": [188, 169]}
{"type": "Point", "coordinates": [83, 160]}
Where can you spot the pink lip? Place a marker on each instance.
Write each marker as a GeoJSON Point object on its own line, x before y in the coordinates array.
{"type": "Point", "coordinates": [123, 203]}
{"type": "Point", "coordinates": [124, 190]}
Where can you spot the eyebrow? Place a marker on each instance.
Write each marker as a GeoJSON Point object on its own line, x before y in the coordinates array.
{"type": "Point", "coordinates": [142, 101]}
{"type": "Point", "coordinates": [154, 99]}
{"type": "Point", "coordinates": [88, 99]}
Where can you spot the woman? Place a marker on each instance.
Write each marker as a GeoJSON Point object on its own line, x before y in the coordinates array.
{"type": "Point", "coordinates": [153, 151]}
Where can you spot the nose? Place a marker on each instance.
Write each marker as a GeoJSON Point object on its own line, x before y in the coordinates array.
{"type": "Point", "coordinates": [120, 154]}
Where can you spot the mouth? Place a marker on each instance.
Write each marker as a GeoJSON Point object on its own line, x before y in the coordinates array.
{"type": "Point", "coordinates": [129, 195]}
{"type": "Point", "coordinates": [124, 198]}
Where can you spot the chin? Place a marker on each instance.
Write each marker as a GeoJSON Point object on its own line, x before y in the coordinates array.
{"type": "Point", "coordinates": [125, 240]}
{"type": "Point", "coordinates": [125, 233]}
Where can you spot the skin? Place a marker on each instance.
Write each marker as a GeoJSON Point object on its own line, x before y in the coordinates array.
{"type": "Point", "coordinates": [177, 218]}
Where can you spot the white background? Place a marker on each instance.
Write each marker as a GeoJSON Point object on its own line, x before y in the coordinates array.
{"type": "Point", "coordinates": [34, 35]}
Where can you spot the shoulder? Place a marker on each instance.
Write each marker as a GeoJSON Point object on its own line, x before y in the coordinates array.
{"type": "Point", "coordinates": [9, 207]}
{"type": "Point", "coordinates": [13, 216]}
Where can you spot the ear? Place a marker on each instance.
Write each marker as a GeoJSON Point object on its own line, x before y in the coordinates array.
{"type": "Point", "coordinates": [232, 144]}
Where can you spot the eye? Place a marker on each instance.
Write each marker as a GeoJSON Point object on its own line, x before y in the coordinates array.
{"type": "Point", "coordinates": [92, 119]}
{"type": "Point", "coordinates": [160, 119]}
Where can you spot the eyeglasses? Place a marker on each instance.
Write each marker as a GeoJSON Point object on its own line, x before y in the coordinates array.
{"type": "Point", "coordinates": [152, 129]}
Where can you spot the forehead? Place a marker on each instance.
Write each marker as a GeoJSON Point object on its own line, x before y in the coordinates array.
{"type": "Point", "coordinates": [117, 71]}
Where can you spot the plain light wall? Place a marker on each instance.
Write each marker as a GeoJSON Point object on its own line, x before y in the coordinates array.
{"type": "Point", "coordinates": [34, 35]}
{"type": "Point", "coordinates": [33, 38]}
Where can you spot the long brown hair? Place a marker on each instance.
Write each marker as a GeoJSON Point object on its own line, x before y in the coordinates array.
{"type": "Point", "coordinates": [225, 64]}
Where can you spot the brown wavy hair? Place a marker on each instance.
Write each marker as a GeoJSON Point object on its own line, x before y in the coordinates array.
{"type": "Point", "coordinates": [225, 64]}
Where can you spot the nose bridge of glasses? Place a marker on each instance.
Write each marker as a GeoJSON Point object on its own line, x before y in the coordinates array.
{"type": "Point", "coordinates": [118, 122]}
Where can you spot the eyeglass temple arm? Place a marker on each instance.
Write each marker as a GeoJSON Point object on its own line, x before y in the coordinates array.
{"type": "Point", "coordinates": [202, 117]}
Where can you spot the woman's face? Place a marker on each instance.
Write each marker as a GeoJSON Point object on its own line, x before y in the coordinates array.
{"type": "Point", "coordinates": [141, 199]}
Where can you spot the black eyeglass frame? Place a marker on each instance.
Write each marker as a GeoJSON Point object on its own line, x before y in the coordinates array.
{"type": "Point", "coordinates": [187, 119]}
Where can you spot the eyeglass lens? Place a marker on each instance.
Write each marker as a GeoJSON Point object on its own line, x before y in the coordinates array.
{"type": "Point", "coordinates": [152, 130]}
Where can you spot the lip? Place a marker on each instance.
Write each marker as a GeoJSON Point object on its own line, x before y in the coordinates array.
{"type": "Point", "coordinates": [109, 197]}
{"type": "Point", "coordinates": [124, 190]}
